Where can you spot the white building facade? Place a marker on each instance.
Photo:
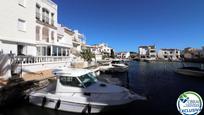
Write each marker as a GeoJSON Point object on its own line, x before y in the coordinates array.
{"type": "Point", "coordinates": [30, 30]}
{"type": "Point", "coordinates": [101, 50]}
{"type": "Point", "coordinates": [147, 52]}
{"type": "Point", "coordinates": [17, 30]}
{"type": "Point", "coordinates": [30, 27]}
{"type": "Point", "coordinates": [169, 54]}
{"type": "Point", "coordinates": [46, 28]}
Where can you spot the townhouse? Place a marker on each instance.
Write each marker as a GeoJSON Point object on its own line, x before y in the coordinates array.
{"type": "Point", "coordinates": [30, 31]}
{"type": "Point", "coordinates": [147, 52]}
{"type": "Point", "coordinates": [169, 54]}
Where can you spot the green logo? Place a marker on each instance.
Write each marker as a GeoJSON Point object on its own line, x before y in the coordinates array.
{"type": "Point", "coordinates": [189, 103]}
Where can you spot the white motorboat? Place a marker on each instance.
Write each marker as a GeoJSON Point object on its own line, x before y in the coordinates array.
{"type": "Point", "coordinates": [191, 71]}
{"type": "Point", "coordinates": [77, 90]}
{"type": "Point", "coordinates": [114, 66]}
{"type": "Point", "coordinates": [118, 63]}
{"type": "Point", "coordinates": [106, 66]}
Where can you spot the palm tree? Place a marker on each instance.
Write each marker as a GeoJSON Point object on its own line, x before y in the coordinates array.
{"type": "Point", "coordinates": [87, 55]}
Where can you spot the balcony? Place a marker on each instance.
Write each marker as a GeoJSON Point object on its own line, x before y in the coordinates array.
{"type": "Point", "coordinates": [45, 19]}
{"type": "Point", "coordinates": [50, 3]}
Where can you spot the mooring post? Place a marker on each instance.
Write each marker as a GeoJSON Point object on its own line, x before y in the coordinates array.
{"type": "Point", "coordinates": [127, 80]}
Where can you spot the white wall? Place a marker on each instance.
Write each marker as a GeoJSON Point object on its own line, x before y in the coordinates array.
{"type": "Point", "coordinates": [161, 54]}
{"type": "Point", "coordinates": [127, 55]}
{"type": "Point", "coordinates": [142, 51]}
{"type": "Point", "coordinates": [41, 67]}
{"type": "Point", "coordinates": [66, 40]}
{"type": "Point", "coordinates": [6, 47]}
{"type": "Point", "coordinates": [98, 57]}
{"type": "Point", "coordinates": [11, 11]}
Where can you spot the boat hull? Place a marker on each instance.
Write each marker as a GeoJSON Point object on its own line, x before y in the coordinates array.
{"type": "Point", "coordinates": [189, 72]}
{"type": "Point", "coordinates": [73, 107]}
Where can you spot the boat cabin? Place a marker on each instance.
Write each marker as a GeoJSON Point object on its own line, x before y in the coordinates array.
{"type": "Point", "coordinates": [73, 80]}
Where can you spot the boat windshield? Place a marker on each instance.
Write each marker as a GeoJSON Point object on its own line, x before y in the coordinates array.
{"type": "Point", "coordinates": [116, 62]}
{"type": "Point", "coordinates": [88, 79]}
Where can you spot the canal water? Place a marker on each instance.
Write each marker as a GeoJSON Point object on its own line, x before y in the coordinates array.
{"type": "Point", "coordinates": [157, 81]}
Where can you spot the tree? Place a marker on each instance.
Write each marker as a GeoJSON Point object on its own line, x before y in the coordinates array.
{"type": "Point", "coordinates": [87, 55]}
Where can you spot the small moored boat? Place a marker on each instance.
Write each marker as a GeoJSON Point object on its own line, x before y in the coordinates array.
{"type": "Point", "coordinates": [77, 90]}
{"type": "Point", "coordinates": [191, 71]}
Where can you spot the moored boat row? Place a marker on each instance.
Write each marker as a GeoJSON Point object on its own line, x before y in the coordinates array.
{"type": "Point", "coordinates": [114, 66]}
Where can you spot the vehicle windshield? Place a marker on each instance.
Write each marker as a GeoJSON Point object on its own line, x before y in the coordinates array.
{"type": "Point", "coordinates": [88, 79]}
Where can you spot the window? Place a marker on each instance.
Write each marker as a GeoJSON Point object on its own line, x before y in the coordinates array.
{"type": "Point", "coordinates": [45, 34]}
{"type": "Point", "coordinates": [48, 50]}
{"type": "Point", "coordinates": [45, 16]}
{"type": "Point", "coordinates": [20, 50]}
{"type": "Point", "coordinates": [37, 12]}
{"type": "Point", "coordinates": [70, 81]}
{"type": "Point", "coordinates": [44, 51]}
{"type": "Point", "coordinates": [52, 19]}
{"type": "Point", "coordinates": [87, 79]}
{"type": "Point", "coordinates": [21, 25]}
{"type": "Point", "coordinates": [37, 33]}
{"type": "Point", "coordinates": [39, 51]}
{"type": "Point", "coordinates": [22, 3]}
{"type": "Point", "coordinates": [54, 51]}
{"type": "Point", "coordinates": [64, 52]}
{"type": "Point", "coordinates": [52, 36]}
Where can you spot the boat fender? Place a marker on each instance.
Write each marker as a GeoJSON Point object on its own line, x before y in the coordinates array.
{"type": "Point", "coordinates": [89, 108]}
{"type": "Point", "coordinates": [44, 101]}
{"type": "Point", "coordinates": [57, 104]}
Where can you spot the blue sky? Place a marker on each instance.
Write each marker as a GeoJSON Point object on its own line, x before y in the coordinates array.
{"type": "Point", "coordinates": [127, 24]}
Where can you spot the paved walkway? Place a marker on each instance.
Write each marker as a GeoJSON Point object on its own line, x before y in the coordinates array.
{"type": "Point", "coordinates": [38, 75]}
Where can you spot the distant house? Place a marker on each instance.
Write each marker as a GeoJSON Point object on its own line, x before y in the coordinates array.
{"type": "Point", "coordinates": [134, 55]}
{"type": "Point", "coordinates": [202, 52]}
{"type": "Point", "coordinates": [101, 50]}
{"type": "Point", "coordinates": [169, 54]}
{"type": "Point", "coordinates": [147, 52]}
{"type": "Point", "coordinates": [192, 53]}
{"type": "Point", "coordinates": [123, 55]}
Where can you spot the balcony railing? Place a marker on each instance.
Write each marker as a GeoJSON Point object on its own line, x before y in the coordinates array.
{"type": "Point", "coordinates": [40, 59]}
